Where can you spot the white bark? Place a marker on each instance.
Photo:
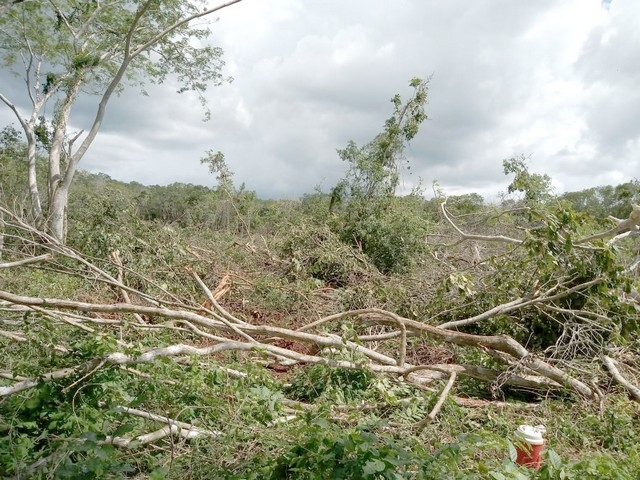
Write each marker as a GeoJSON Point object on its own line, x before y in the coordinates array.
{"type": "Point", "coordinates": [615, 373]}
{"type": "Point", "coordinates": [58, 190]}
{"type": "Point", "coordinates": [28, 124]}
{"type": "Point", "coordinates": [58, 214]}
{"type": "Point", "coordinates": [27, 261]}
{"type": "Point", "coordinates": [501, 343]}
{"type": "Point", "coordinates": [32, 178]}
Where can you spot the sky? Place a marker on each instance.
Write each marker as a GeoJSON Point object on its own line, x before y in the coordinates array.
{"type": "Point", "coordinates": [556, 81]}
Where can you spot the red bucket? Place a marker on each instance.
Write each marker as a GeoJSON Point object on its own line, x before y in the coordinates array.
{"type": "Point", "coordinates": [529, 444]}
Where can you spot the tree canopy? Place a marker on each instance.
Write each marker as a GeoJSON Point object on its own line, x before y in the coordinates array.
{"type": "Point", "coordinates": [66, 49]}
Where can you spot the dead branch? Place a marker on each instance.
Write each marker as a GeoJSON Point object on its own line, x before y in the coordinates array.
{"type": "Point", "coordinates": [534, 298]}
{"type": "Point", "coordinates": [499, 310]}
{"type": "Point", "coordinates": [227, 332]}
{"type": "Point", "coordinates": [617, 376]}
{"type": "Point", "coordinates": [12, 336]}
{"type": "Point", "coordinates": [11, 376]}
{"type": "Point", "coordinates": [436, 408]}
{"type": "Point", "coordinates": [630, 224]}
{"type": "Point", "coordinates": [226, 318]}
{"type": "Point", "coordinates": [168, 421]}
{"type": "Point", "coordinates": [27, 261]}
{"type": "Point", "coordinates": [422, 374]}
{"type": "Point", "coordinates": [115, 257]}
{"type": "Point", "coordinates": [469, 236]}
{"type": "Point", "coordinates": [501, 343]}
{"type": "Point", "coordinates": [45, 240]}
{"type": "Point", "coordinates": [199, 320]}
{"type": "Point", "coordinates": [147, 438]}
{"type": "Point", "coordinates": [31, 382]}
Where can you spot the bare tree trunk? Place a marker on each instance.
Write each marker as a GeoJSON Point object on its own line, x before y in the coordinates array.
{"type": "Point", "coordinates": [28, 126]}
{"type": "Point", "coordinates": [58, 214]}
{"type": "Point", "coordinates": [59, 189]}
{"type": "Point", "coordinates": [32, 178]}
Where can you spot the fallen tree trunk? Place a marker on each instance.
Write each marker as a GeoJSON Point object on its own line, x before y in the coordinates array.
{"type": "Point", "coordinates": [379, 362]}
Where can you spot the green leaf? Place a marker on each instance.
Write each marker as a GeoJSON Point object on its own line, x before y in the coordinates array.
{"type": "Point", "coordinates": [373, 466]}
{"type": "Point", "coordinates": [513, 453]}
{"type": "Point", "coordinates": [554, 459]}
{"type": "Point", "coordinates": [159, 473]}
{"type": "Point", "coordinates": [123, 429]}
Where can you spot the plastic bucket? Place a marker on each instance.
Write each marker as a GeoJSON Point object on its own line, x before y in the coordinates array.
{"type": "Point", "coordinates": [529, 444]}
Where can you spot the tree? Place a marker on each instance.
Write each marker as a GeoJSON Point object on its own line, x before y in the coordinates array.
{"type": "Point", "coordinates": [67, 48]}
{"type": "Point", "coordinates": [364, 202]}
{"type": "Point", "coordinates": [536, 187]}
{"type": "Point", "coordinates": [374, 169]}
{"type": "Point", "coordinates": [606, 200]}
{"type": "Point", "coordinates": [218, 167]}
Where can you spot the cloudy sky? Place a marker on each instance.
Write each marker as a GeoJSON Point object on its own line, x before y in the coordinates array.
{"type": "Point", "coordinates": [554, 80]}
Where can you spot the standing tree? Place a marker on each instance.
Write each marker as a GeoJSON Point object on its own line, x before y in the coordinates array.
{"type": "Point", "coordinates": [66, 48]}
{"type": "Point", "coordinates": [365, 209]}
{"type": "Point", "coordinates": [374, 169]}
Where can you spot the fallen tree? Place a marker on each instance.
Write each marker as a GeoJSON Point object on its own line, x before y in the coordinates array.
{"type": "Point", "coordinates": [219, 325]}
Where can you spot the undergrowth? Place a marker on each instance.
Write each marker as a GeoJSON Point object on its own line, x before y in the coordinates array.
{"type": "Point", "coordinates": [272, 422]}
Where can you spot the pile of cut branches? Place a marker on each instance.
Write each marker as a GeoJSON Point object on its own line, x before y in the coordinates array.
{"type": "Point", "coordinates": [377, 340]}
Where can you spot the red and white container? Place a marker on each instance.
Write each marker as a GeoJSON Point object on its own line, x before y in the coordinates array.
{"type": "Point", "coordinates": [529, 444]}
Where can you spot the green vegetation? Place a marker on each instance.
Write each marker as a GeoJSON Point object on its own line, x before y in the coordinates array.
{"type": "Point", "coordinates": [70, 49]}
{"type": "Point", "coordinates": [365, 209]}
{"type": "Point", "coordinates": [307, 420]}
{"type": "Point", "coordinates": [188, 332]}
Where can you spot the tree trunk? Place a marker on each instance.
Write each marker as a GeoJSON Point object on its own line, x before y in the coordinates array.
{"type": "Point", "coordinates": [59, 190]}
{"type": "Point", "coordinates": [32, 176]}
{"type": "Point", "coordinates": [58, 214]}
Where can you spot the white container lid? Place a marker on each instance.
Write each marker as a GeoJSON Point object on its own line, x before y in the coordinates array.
{"type": "Point", "coordinates": [531, 435]}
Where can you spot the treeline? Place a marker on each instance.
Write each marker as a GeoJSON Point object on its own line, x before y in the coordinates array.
{"type": "Point", "coordinates": [389, 228]}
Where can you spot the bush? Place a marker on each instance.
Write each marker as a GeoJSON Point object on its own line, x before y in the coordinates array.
{"type": "Point", "coordinates": [391, 232]}
{"type": "Point", "coordinates": [315, 251]}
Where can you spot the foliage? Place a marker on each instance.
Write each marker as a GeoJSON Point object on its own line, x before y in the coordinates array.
{"type": "Point", "coordinates": [374, 169]}
{"type": "Point", "coordinates": [320, 382]}
{"type": "Point", "coordinates": [332, 452]}
{"type": "Point", "coordinates": [180, 204]}
{"type": "Point", "coordinates": [217, 165]}
{"type": "Point", "coordinates": [391, 232]}
{"type": "Point", "coordinates": [600, 202]}
{"type": "Point", "coordinates": [366, 210]}
{"type": "Point", "coordinates": [546, 249]}
{"type": "Point", "coordinates": [65, 49]}
{"type": "Point", "coordinates": [316, 251]}
{"type": "Point", "coordinates": [535, 187]}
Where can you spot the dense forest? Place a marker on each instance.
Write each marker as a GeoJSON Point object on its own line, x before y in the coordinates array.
{"type": "Point", "coordinates": [182, 331]}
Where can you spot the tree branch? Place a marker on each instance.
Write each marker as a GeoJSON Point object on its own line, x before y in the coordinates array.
{"type": "Point", "coordinates": [439, 403]}
{"type": "Point", "coordinates": [468, 236]}
{"type": "Point", "coordinates": [27, 261]}
{"type": "Point", "coordinates": [617, 376]}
